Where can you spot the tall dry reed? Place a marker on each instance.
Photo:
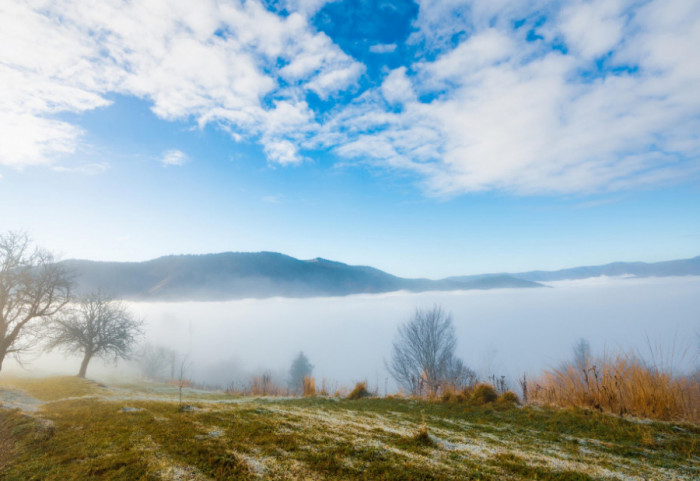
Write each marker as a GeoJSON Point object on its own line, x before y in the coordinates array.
{"type": "Point", "coordinates": [309, 386]}
{"type": "Point", "coordinates": [622, 383]}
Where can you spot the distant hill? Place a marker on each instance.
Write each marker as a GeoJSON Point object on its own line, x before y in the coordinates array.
{"type": "Point", "coordinates": [237, 275]}
{"type": "Point", "coordinates": [682, 267]}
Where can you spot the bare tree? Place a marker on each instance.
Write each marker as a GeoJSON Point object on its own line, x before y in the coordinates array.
{"type": "Point", "coordinates": [97, 327]}
{"type": "Point", "coordinates": [581, 355]}
{"type": "Point", "coordinates": [458, 375]}
{"type": "Point", "coordinates": [182, 380]}
{"type": "Point", "coordinates": [423, 356]}
{"type": "Point", "coordinates": [33, 289]}
{"type": "Point", "coordinates": [157, 362]}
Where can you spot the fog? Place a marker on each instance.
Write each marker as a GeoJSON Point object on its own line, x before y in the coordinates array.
{"type": "Point", "coordinates": [503, 332]}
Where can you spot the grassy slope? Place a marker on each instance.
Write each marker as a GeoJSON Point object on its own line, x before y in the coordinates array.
{"type": "Point", "coordinates": [82, 433]}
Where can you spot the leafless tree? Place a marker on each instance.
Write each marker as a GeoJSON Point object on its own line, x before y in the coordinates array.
{"type": "Point", "coordinates": [97, 327]}
{"type": "Point", "coordinates": [458, 375]}
{"type": "Point", "coordinates": [33, 289]}
{"type": "Point", "coordinates": [182, 380]}
{"type": "Point", "coordinates": [423, 356]}
{"type": "Point", "coordinates": [157, 362]}
{"type": "Point", "coordinates": [581, 355]}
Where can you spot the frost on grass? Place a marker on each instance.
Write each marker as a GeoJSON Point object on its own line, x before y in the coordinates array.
{"type": "Point", "coordinates": [268, 438]}
{"type": "Point", "coordinates": [16, 399]}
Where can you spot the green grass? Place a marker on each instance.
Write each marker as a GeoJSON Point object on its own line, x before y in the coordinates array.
{"type": "Point", "coordinates": [327, 438]}
{"type": "Point", "coordinates": [54, 388]}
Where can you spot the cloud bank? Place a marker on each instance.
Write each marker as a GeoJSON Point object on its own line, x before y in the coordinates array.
{"type": "Point", "coordinates": [522, 97]}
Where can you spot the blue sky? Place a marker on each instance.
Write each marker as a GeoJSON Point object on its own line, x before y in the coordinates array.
{"type": "Point", "coordinates": [430, 138]}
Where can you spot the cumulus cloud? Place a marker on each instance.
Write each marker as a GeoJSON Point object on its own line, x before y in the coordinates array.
{"type": "Point", "coordinates": [174, 157]}
{"type": "Point", "coordinates": [397, 88]}
{"type": "Point", "coordinates": [199, 61]}
{"type": "Point", "coordinates": [525, 97]}
{"type": "Point", "coordinates": [598, 96]}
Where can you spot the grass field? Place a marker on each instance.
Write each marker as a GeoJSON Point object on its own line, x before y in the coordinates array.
{"type": "Point", "coordinates": [71, 429]}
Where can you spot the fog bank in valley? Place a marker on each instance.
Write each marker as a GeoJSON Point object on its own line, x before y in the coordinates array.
{"type": "Point", "coordinates": [502, 332]}
{"type": "Point", "coordinates": [508, 331]}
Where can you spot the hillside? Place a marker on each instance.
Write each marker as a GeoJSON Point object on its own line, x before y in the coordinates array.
{"type": "Point", "coordinates": [680, 267]}
{"type": "Point", "coordinates": [236, 275]}
{"type": "Point", "coordinates": [69, 429]}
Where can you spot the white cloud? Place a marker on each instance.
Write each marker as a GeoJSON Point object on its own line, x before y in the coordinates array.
{"type": "Point", "coordinates": [199, 61]}
{"type": "Point", "coordinates": [397, 88]}
{"type": "Point", "coordinates": [174, 157]}
{"type": "Point", "coordinates": [88, 168]}
{"type": "Point", "coordinates": [493, 111]}
{"type": "Point", "coordinates": [282, 152]}
{"type": "Point", "coordinates": [383, 48]}
{"type": "Point", "coordinates": [273, 199]}
{"type": "Point", "coordinates": [513, 115]}
{"type": "Point", "coordinates": [593, 28]}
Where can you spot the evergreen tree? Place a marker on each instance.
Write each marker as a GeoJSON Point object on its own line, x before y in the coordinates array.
{"type": "Point", "coordinates": [301, 367]}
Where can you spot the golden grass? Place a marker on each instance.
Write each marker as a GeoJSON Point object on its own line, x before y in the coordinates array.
{"type": "Point", "coordinates": [54, 388]}
{"type": "Point", "coordinates": [359, 391]}
{"type": "Point", "coordinates": [621, 384]}
{"type": "Point", "coordinates": [7, 445]}
{"type": "Point", "coordinates": [263, 386]}
{"type": "Point", "coordinates": [483, 394]}
{"type": "Point", "coordinates": [508, 397]}
{"type": "Point", "coordinates": [309, 386]}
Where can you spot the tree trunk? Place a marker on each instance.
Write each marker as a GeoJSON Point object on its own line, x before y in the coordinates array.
{"type": "Point", "coordinates": [84, 364]}
{"type": "Point", "coordinates": [3, 353]}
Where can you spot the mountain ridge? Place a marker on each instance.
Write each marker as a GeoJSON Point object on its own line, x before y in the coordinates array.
{"type": "Point", "coordinates": [676, 267]}
{"type": "Point", "coordinates": [239, 275]}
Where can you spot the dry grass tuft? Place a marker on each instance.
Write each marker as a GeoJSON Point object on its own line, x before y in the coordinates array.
{"type": "Point", "coordinates": [264, 386]}
{"type": "Point", "coordinates": [422, 437]}
{"type": "Point", "coordinates": [483, 394]}
{"type": "Point", "coordinates": [359, 391]}
{"type": "Point", "coordinates": [621, 384]}
{"type": "Point", "coordinates": [508, 397]}
{"type": "Point", "coordinates": [309, 386]}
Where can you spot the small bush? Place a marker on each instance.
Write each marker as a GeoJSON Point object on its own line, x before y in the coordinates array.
{"type": "Point", "coordinates": [483, 394]}
{"type": "Point", "coordinates": [508, 397]}
{"type": "Point", "coordinates": [309, 386]}
{"type": "Point", "coordinates": [359, 391]}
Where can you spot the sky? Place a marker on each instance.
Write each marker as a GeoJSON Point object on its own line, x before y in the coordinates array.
{"type": "Point", "coordinates": [427, 139]}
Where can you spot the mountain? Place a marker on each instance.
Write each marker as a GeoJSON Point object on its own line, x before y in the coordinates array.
{"type": "Point", "coordinates": [681, 267]}
{"type": "Point", "coordinates": [237, 275]}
